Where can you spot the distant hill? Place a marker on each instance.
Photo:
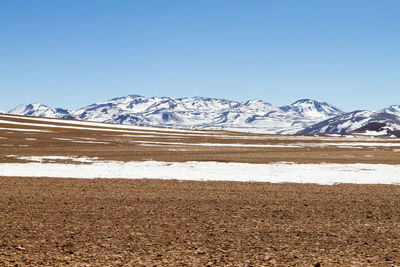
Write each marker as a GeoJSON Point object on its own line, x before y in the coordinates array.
{"type": "Point", "coordinates": [305, 116]}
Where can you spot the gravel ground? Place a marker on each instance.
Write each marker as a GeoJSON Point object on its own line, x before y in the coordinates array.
{"type": "Point", "coordinates": [116, 222]}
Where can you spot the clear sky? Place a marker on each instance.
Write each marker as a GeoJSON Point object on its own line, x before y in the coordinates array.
{"type": "Point", "coordinates": [74, 53]}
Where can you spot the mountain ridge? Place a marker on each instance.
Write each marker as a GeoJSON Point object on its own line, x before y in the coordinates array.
{"type": "Point", "coordinates": [302, 116]}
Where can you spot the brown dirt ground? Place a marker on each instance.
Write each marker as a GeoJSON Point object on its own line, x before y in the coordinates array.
{"type": "Point", "coordinates": [114, 222]}
{"type": "Point", "coordinates": [124, 146]}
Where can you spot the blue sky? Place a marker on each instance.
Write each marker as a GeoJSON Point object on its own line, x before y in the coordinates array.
{"type": "Point", "coordinates": [74, 53]}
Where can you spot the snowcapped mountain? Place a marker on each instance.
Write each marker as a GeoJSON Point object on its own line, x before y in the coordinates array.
{"type": "Point", "coordinates": [304, 116]}
{"type": "Point", "coordinates": [313, 109]}
{"type": "Point", "coordinates": [357, 121]}
{"type": "Point", "coordinates": [40, 110]}
{"type": "Point", "coordinates": [195, 113]}
{"type": "Point", "coordinates": [394, 109]}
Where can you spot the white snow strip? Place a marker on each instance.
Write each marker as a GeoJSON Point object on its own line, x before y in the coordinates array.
{"type": "Point", "coordinates": [90, 142]}
{"type": "Point", "coordinates": [30, 139]}
{"type": "Point", "coordinates": [41, 158]}
{"type": "Point", "coordinates": [373, 133]}
{"type": "Point", "coordinates": [355, 147]}
{"type": "Point", "coordinates": [76, 127]}
{"type": "Point", "coordinates": [217, 171]}
{"type": "Point", "coordinates": [100, 124]}
{"type": "Point", "coordinates": [213, 144]}
{"type": "Point", "coordinates": [173, 136]}
{"type": "Point", "coordinates": [350, 144]}
{"type": "Point", "coordinates": [24, 130]}
{"type": "Point", "coordinates": [224, 136]}
{"type": "Point", "coordinates": [293, 145]}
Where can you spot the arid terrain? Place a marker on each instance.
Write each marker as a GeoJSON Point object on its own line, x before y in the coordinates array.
{"type": "Point", "coordinates": [26, 136]}
{"type": "Point", "coordinates": [54, 221]}
{"type": "Point", "coordinates": [107, 222]}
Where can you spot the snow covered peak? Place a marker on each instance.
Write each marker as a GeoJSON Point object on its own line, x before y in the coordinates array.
{"type": "Point", "coordinates": [18, 110]}
{"type": "Point", "coordinates": [257, 104]}
{"type": "Point", "coordinates": [313, 109]}
{"type": "Point", "coordinates": [33, 110]}
{"type": "Point", "coordinates": [306, 102]}
{"type": "Point", "coordinates": [39, 110]}
{"type": "Point", "coordinates": [220, 114]}
{"type": "Point", "coordinates": [204, 104]}
{"type": "Point", "coordinates": [394, 109]}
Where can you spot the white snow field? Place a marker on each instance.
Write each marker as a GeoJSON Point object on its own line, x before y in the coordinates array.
{"type": "Point", "coordinates": [216, 171]}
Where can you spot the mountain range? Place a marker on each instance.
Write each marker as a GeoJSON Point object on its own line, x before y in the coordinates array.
{"type": "Point", "coordinates": [304, 116]}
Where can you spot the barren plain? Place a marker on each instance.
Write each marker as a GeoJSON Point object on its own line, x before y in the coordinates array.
{"type": "Point", "coordinates": [145, 222]}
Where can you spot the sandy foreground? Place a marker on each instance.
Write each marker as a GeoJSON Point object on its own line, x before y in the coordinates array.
{"type": "Point", "coordinates": [56, 221]}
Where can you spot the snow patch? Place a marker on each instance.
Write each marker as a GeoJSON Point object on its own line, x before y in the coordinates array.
{"type": "Point", "coordinates": [216, 171]}
{"type": "Point", "coordinates": [64, 158]}
{"type": "Point", "coordinates": [213, 144]}
{"type": "Point", "coordinates": [90, 142]}
{"type": "Point", "coordinates": [24, 130]}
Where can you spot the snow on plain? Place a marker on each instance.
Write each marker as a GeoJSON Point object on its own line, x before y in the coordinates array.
{"type": "Point", "coordinates": [373, 133]}
{"type": "Point", "coordinates": [215, 171]}
{"type": "Point", "coordinates": [96, 124]}
{"type": "Point", "coordinates": [292, 145]}
{"type": "Point", "coordinates": [55, 158]}
{"type": "Point", "coordinates": [212, 144]}
{"type": "Point", "coordinates": [349, 144]}
{"type": "Point", "coordinates": [63, 139]}
{"type": "Point", "coordinates": [24, 130]}
{"type": "Point", "coordinates": [99, 126]}
{"type": "Point", "coordinates": [90, 142]}
{"type": "Point", "coordinates": [133, 130]}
